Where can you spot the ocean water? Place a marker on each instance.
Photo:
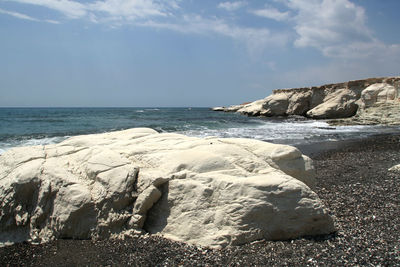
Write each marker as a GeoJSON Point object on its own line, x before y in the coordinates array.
{"type": "Point", "coordinates": [41, 126]}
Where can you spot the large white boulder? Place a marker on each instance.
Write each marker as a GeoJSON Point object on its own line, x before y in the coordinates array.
{"type": "Point", "coordinates": [253, 108]}
{"type": "Point", "coordinates": [339, 104]}
{"type": "Point", "coordinates": [212, 192]}
{"type": "Point", "coordinates": [276, 105]}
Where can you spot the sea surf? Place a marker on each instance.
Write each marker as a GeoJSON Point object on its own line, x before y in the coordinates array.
{"type": "Point", "coordinates": [42, 126]}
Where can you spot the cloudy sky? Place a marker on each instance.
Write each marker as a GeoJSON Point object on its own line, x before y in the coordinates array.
{"type": "Point", "coordinates": [188, 52]}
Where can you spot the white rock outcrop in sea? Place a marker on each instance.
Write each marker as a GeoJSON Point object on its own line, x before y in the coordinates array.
{"type": "Point", "coordinates": [369, 101]}
{"type": "Point", "coordinates": [213, 191]}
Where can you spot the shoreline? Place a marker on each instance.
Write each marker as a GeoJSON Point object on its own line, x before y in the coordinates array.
{"type": "Point", "coordinates": [315, 149]}
{"type": "Point", "coordinates": [353, 182]}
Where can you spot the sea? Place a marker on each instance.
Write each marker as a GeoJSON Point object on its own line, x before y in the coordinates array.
{"type": "Point", "coordinates": [42, 126]}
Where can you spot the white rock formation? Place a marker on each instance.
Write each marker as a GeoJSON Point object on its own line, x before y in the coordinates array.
{"type": "Point", "coordinates": [374, 100]}
{"type": "Point", "coordinates": [378, 93]}
{"type": "Point", "coordinates": [212, 192]}
{"type": "Point", "coordinates": [340, 104]}
{"type": "Point", "coordinates": [300, 102]}
{"type": "Point", "coordinates": [228, 109]}
{"type": "Point", "coordinates": [252, 108]}
{"type": "Point", "coordinates": [218, 109]}
{"type": "Point", "coordinates": [379, 104]}
{"type": "Point", "coordinates": [276, 104]}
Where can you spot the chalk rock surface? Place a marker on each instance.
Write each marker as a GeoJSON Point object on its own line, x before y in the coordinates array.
{"type": "Point", "coordinates": [379, 104]}
{"type": "Point", "coordinates": [340, 104]}
{"type": "Point", "coordinates": [378, 93]}
{"type": "Point", "coordinates": [213, 192]}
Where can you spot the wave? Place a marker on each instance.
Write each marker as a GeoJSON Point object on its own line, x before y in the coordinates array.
{"type": "Point", "coordinates": [294, 133]}
{"type": "Point", "coordinates": [201, 123]}
{"type": "Point", "coordinates": [147, 109]}
{"type": "Point", "coordinates": [4, 146]}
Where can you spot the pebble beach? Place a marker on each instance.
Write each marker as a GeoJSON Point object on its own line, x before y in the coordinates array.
{"type": "Point", "coordinates": [353, 182]}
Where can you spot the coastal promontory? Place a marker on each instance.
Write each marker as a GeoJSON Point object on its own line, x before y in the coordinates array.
{"type": "Point", "coordinates": [368, 101]}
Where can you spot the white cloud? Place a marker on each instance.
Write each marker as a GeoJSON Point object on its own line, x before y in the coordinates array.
{"type": "Point", "coordinates": [17, 15]}
{"type": "Point", "coordinates": [52, 21]}
{"type": "Point", "coordinates": [335, 27]}
{"type": "Point", "coordinates": [107, 10]}
{"type": "Point", "coordinates": [71, 9]}
{"type": "Point", "coordinates": [255, 39]}
{"type": "Point", "coordinates": [271, 13]}
{"type": "Point", "coordinates": [128, 9]}
{"type": "Point", "coordinates": [338, 29]}
{"type": "Point", "coordinates": [382, 60]}
{"type": "Point", "coordinates": [26, 17]}
{"type": "Point", "coordinates": [163, 14]}
{"type": "Point", "coordinates": [232, 6]}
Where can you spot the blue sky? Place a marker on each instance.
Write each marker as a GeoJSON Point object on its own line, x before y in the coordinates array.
{"type": "Point", "coordinates": [187, 52]}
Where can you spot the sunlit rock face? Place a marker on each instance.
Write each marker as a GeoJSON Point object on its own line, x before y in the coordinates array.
{"type": "Point", "coordinates": [369, 101]}
{"type": "Point", "coordinates": [212, 192]}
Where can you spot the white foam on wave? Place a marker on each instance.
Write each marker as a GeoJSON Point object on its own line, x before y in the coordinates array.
{"type": "Point", "coordinates": [4, 146]}
{"type": "Point", "coordinates": [290, 132]}
{"type": "Point", "coordinates": [147, 109]}
{"type": "Point", "coordinates": [285, 132]}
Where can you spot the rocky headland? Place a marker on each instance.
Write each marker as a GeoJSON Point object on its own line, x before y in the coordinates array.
{"type": "Point", "coordinates": [212, 192]}
{"type": "Point", "coordinates": [368, 101]}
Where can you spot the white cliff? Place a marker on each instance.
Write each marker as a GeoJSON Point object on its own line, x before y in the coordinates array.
{"type": "Point", "coordinates": [369, 101]}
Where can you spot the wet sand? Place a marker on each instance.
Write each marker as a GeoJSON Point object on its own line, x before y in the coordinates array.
{"type": "Point", "coordinates": [353, 182]}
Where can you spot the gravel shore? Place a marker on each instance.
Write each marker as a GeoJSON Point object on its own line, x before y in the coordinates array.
{"type": "Point", "coordinates": [354, 184]}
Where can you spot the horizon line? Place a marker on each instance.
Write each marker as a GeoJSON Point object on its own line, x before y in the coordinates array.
{"type": "Point", "coordinates": [107, 107]}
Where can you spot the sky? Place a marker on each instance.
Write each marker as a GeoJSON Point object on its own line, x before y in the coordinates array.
{"type": "Point", "coordinates": [187, 53]}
